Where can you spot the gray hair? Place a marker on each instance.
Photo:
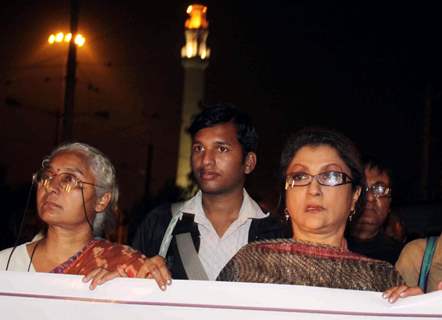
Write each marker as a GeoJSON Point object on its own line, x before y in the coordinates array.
{"type": "Point", "coordinates": [105, 179]}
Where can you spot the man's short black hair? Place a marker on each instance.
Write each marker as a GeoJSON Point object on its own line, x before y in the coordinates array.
{"type": "Point", "coordinates": [372, 162]}
{"type": "Point", "coordinates": [223, 113]}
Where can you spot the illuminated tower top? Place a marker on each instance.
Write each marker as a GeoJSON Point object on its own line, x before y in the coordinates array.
{"type": "Point", "coordinates": [196, 33]}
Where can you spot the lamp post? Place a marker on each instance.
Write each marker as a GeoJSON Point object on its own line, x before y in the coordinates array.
{"type": "Point", "coordinates": [74, 40]}
{"type": "Point", "coordinates": [65, 118]}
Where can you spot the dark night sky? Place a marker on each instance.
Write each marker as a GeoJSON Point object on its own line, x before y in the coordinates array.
{"type": "Point", "coordinates": [363, 69]}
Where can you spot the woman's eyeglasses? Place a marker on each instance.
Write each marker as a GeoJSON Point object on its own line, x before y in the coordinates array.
{"type": "Point", "coordinates": [63, 181]}
{"type": "Point", "coordinates": [379, 190]}
{"type": "Point", "coordinates": [328, 178]}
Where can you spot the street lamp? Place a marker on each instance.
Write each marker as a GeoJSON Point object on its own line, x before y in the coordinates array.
{"type": "Point", "coordinates": [60, 37]}
{"type": "Point", "coordinates": [79, 40]}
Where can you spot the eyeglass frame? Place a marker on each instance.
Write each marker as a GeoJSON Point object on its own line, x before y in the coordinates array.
{"type": "Point", "coordinates": [78, 183]}
{"type": "Point", "coordinates": [346, 179]}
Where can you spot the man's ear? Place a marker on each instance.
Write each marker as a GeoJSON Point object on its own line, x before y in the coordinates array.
{"type": "Point", "coordinates": [250, 162]}
{"type": "Point", "coordinates": [103, 202]}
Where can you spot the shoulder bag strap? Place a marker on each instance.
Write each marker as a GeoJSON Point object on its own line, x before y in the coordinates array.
{"type": "Point", "coordinates": [189, 257]}
{"type": "Point", "coordinates": [175, 209]}
{"type": "Point", "coordinates": [426, 263]}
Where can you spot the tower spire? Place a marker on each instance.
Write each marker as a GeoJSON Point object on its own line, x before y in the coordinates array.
{"type": "Point", "coordinates": [195, 59]}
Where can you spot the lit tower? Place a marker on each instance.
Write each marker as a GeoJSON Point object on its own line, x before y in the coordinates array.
{"type": "Point", "coordinates": [195, 55]}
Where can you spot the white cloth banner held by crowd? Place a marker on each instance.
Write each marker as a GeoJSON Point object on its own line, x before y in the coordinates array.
{"type": "Point", "coordinates": [50, 296]}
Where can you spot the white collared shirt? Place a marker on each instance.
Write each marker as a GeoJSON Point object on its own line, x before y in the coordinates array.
{"type": "Point", "coordinates": [215, 252]}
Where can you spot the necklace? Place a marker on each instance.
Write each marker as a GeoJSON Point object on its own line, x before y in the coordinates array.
{"type": "Point", "coordinates": [32, 255]}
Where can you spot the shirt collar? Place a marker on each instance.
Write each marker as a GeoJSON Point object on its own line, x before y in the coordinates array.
{"type": "Point", "coordinates": [249, 208]}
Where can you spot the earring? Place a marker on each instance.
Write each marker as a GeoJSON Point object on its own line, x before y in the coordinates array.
{"type": "Point", "coordinates": [352, 213]}
{"type": "Point", "coordinates": [286, 214]}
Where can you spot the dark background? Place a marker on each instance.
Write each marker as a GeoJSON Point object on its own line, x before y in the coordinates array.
{"type": "Point", "coordinates": [370, 70]}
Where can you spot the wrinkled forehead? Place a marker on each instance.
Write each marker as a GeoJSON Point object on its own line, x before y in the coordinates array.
{"type": "Point", "coordinates": [373, 175]}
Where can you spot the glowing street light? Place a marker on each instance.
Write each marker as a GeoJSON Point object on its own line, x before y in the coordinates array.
{"type": "Point", "coordinates": [59, 37]}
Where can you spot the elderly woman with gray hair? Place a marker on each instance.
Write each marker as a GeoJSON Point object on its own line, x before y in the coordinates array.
{"type": "Point", "coordinates": [77, 195]}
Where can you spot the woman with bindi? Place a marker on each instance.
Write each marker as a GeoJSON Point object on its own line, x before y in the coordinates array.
{"type": "Point", "coordinates": [76, 199]}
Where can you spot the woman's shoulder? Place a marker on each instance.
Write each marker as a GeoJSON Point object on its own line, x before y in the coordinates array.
{"type": "Point", "coordinates": [18, 258]}
{"type": "Point", "coordinates": [415, 246]}
{"type": "Point", "coordinates": [411, 255]}
{"type": "Point", "coordinates": [18, 249]}
{"type": "Point", "coordinates": [4, 254]}
{"type": "Point", "coordinates": [257, 249]}
{"type": "Point", "coordinates": [286, 246]}
{"type": "Point", "coordinates": [299, 247]}
{"type": "Point", "coordinates": [268, 244]}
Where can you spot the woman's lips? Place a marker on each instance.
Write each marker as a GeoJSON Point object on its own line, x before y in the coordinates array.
{"type": "Point", "coordinates": [314, 208]}
{"type": "Point", "coordinates": [50, 205]}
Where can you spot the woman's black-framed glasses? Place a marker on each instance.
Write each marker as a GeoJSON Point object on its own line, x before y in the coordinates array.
{"type": "Point", "coordinates": [64, 181]}
{"type": "Point", "coordinates": [327, 178]}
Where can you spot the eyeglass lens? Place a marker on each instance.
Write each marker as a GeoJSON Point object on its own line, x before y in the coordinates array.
{"type": "Point", "coordinates": [379, 190]}
{"type": "Point", "coordinates": [329, 178]}
{"type": "Point", "coordinates": [63, 181]}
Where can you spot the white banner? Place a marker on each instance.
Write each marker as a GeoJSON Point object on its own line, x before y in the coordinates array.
{"type": "Point", "coordinates": [62, 297]}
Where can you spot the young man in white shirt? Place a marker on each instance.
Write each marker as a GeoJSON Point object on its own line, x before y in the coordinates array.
{"type": "Point", "coordinates": [221, 217]}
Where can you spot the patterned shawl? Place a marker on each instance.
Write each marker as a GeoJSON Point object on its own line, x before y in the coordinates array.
{"type": "Point", "coordinates": [104, 254]}
{"type": "Point", "coordinates": [288, 261]}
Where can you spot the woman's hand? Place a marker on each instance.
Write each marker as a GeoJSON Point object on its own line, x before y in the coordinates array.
{"type": "Point", "coordinates": [153, 268]}
{"type": "Point", "coordinates": [402, 291]}
{"type": "Point", "coordinates": [101, 275]}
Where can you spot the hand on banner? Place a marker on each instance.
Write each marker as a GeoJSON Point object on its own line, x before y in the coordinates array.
{"type": "Point", "coordinates": [402, 291]}
{"type": "Point", "coordinates": [153, 268]}
{"type": "Point", "coordinates": [101, 275]}
{"type": "Point", "coordinates": [156, 268]}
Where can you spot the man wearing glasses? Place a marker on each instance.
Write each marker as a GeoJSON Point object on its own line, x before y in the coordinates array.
{"type": "Point", "coordinates": [367, 234]}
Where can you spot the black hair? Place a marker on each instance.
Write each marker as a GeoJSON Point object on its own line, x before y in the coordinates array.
{"type": "Point", "coordinates": [312, 136]}
{"type": "Point", "coordinates": [372, 162]}
{"type": "Point", "coordinates": [223, 113]}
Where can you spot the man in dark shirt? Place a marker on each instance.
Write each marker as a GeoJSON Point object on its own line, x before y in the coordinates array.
{"type": "Point", "coordinates": [367, 234]}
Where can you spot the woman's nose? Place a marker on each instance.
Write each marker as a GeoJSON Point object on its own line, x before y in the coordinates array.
{"type": "Point", "coordinates": [52, 185]}
{"type": "Point", "coordinates": [314, 188]}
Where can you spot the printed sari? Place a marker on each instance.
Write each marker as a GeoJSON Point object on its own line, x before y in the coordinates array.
{"type": "Point", "coordinates": [102, 254]}
{"type": "Point", "coordinates": [287, 261]}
